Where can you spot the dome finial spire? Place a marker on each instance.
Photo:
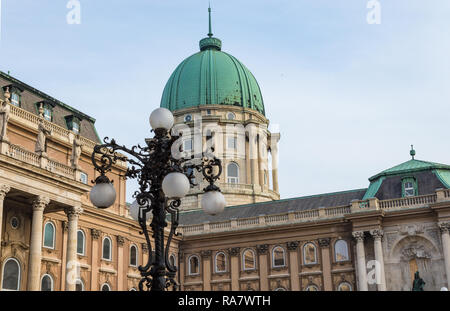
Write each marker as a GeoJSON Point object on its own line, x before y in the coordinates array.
{"type": "Point", "coordinates": [412, 152]}
{"type": "Point", "coordinates": [210, 34]}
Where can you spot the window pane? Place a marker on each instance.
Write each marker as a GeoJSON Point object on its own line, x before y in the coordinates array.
{"type": "Point", "coordinates": [106, 249]}
{"type": "Point", "coordinates": [49, 234]}
{"type": "Point", "coordinates": [105, 288]}
{"type": "Point", "coordinates": [46, 284]}
{"type": "Point", "coordinates": [309, 253]}
{"type": "Point", "coordinates": [15, 99]}
{"type": "Point", "coordinates": [47, 114]}
{"type": "Point", "coordinates": [11, 272]}
{"type": "Point", "coordinates": [278, 257]}
{"type": "Point", "coordinates": [75, 127]}
{"type": "Point", "coordinates": [80, 243]}
{"type": "Point", "coordinates": [133, 256]}
{"type": "Point", "coordinates": [220, 262]}
{"type": "Point", "coordinates": [193, 264]}
{"type": "Point", "coordinates": [341, 250]}
{"type": "Point", "coordinates": [249, 260]}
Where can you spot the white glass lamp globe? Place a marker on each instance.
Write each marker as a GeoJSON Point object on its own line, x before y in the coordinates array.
{"type": "Point", "coordinates": [175, 185]}
{"type": "Point", "coordinates": [161, 118]}
{"type": "Point", "coordinates": [134, 211]}
{"type": "Point", "coordinates": [103, 195]}
{"type": "Point", "coordinates": [213, 202]}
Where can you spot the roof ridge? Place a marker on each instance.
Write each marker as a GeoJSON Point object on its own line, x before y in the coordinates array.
{"type": "Point", "coordinates": [283, 200]}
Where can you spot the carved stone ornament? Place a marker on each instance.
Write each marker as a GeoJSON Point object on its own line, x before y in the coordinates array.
{"type": "Point", "coordinates": [444, 227]}
{"type": "Point", "coordinates": [73, 211]}
{"type": "Point", "coordinates": [324, 242]}
{"type": "Point", "coordinates": [40, 203]}
{"type": "Point", "coordinates": [4, 189]}
{"type": "Point", "coordinates": [95, 233]}
{"type": "Point", "coordinates": [413, 229]}
{"type": "Point", "coordinates": [120, 240]}
{"type": "Point", "coordinates": [358, 236]}
{"type": "Point", "coordinates": [262, 249]}
{"type": "Point", "coordinates": [206, 253]}
{"type": "Point", "coordinates": [415, 252]}
{"type": "Point", "coordinates": [377, 233]}
{"type": "Point", "coordinates": [234, 251]}
{"type": "Point", "coordinates": [144, 248]}
{"type": "Point", "coordinates": [292, 245]}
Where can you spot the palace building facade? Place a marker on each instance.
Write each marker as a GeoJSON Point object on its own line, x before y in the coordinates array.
{"type": "Point", "coordinates": [52, 238]}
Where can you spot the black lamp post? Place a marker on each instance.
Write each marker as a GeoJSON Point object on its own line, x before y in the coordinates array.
{"type": "Point", "coordinates": [163, 180]}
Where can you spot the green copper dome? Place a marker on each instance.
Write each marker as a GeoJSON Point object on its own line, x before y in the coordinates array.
{"type": "Point", "coordinates": [212, 77]}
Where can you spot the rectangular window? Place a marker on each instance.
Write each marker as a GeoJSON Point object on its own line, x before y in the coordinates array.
{"type": "Point", "coordinates": [84, 178]}
{"type": "Point", "coordinates": [409, 189]}
{"type": "Point", "coordinates": [232, 143]}
{"type": "Point", "coordinates": [15, 99]}
{"type": "Point", "coordinates": [75, 127]}
{"type": "Point", "coordinates": [187, 146]}
{"type": "Point", "coordinates": [47, 114]}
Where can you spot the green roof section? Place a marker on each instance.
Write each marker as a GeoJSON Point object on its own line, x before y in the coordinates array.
{"type": "Point", "coordinates": [410, 166]}
{"type": "Point", "coordinates": [373, 188]}
{"type": "Point", "coordinates": [443, 176]}
{"type": "Point", "coordinates": [212, 77]}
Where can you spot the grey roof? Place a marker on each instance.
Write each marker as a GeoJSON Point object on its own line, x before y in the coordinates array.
{"type": "Point", "coordinates": [30, 96]}
{"type": "Point", "coordinates": [342, 198]}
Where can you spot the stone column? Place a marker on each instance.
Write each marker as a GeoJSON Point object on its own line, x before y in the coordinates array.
{"type": "Point", "coordinates": [293, 264]}
{"type": "Point", "coordinates": [263, 269]}
{"type": "Point", "coordinates": [234, 268]}
{"type": "Point", "coordinates": [72, 266]}
{"type": "Point", "coordinates": [361, 260]}
{"type": "Point", "coordinates": [206, 266]}
{"type": "Point", "coordinates": [324, 244]}
{"type": "Point", "coordinates": [4, 189]}
{"type": "Point", "coordinates": [120, 263]}
{"type": "Point", "coordinates": [274, 152]}
{"type": "Point", "coordinates": [34, 263]}
{"type": "Point", "coordinates": [95, 234]}
{"type": "Point", "coordinates": [445, 227]}
{"type": "Point", "coordinates": [377, 236]}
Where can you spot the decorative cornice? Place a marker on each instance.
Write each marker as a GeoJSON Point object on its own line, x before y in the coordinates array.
{"type": "Point", "coordinates": [324, 242]}
{"type": "Point", "coordinates": [120, 240]}
{"type": "Point", "coordinates": [377, 233]}
{"type": "Point", "coordinates": [40, 202]}
{"type": "Point", "coordinates": [358, 235]}
{"type": "Point", "coordinates": [292, 245]}
{"type": "Point", "coordinates": [444, 227]}
{"type": "Point", "coordinates": [262, 249]}
{"type": "Point", "coordinates": [206, 253]}
{"type": "Point", "coordinates": [95, 233]}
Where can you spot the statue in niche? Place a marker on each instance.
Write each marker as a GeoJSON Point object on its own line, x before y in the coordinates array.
{"type": "Point", "coordinates": [418, 283]}
{"type": "Point", "coordinates": [41, 142]}
{"type": "Point", "coordinates": [76, 151]}
{"type": "Point", "coordinates": [4, 114]}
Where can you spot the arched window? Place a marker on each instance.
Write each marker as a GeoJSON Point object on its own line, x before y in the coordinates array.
{"type": "Point", "coordinates": [106, 288]}
{"type": "Point", "coordinates": [49, 235]}
{"type": "Point", "coordinates": [221, 262]}
{"type": "Point", "coordinates": [80, 242]}
{"type": "Point", "coordinates": [46, 283]}
{"type": "Point", "coordinates": [280, 289]}
{"type": "Point", "coordinates": [345, 287]}
{"type": "Point", "coordinates": [233, 173]}
{"type": "Point", "coordinates": [11, 275]}
{"type": "Point", "coordinates": [248, 259]}
{"type": "Point", "coordinates": [132, 289]}
{"type": "Point", "coordinates": [278, 257]}
{"type": "Point", "coordinates": [133, 255]}
{"type": "Point", "coordinates": [106, 254]}
{"type": "Point", "coordinates": [309, 254]}
{"type": "Point", "coordinates": [172, 260]}
{"type": "Point", "coordinates": [312, 288]}
{"type": "Point", "coordinates": [79, 285]}
{"type": "Point", "coordinates": [341, 250]}
{"type": "Point", "coordinates": [15, 99]}
{"type": "Point", "coordinates": [194, 265]}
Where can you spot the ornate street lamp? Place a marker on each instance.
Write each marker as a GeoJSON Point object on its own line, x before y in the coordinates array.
{"type": "Point", "coordinates": [163, 181]}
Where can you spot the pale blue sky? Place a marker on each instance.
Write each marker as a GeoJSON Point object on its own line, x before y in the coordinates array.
{"type": "Point", "coordinates": [349, 97]}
